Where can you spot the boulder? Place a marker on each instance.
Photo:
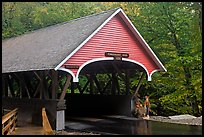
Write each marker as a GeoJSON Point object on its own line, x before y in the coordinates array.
{"type": "Point", "coordinates": [185, 116]}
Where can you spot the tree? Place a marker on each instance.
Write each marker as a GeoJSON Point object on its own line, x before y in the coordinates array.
{"type": "Point", "coordinates": [168, 27]}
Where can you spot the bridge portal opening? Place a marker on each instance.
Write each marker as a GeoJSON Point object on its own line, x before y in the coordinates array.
{"type": "Point", "coordinates": [104, 89]}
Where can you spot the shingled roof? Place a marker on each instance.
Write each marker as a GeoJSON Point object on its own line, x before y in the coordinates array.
{"type": "Point", "coordinates": [39, 50]}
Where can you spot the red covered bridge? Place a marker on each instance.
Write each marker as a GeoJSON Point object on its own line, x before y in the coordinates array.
{"type": "Point", "coordinates": [104, 43]}
{"type": "Point", "coordinates": [116, 34]}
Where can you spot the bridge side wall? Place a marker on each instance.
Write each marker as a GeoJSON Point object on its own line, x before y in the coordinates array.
{"type": "Point", "coordinates": [30, 110]}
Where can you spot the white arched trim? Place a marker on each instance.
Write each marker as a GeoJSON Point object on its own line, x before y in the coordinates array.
{"type": "Point", "coordinates": [91, 61]}
{"type": "Point", "coordinates": [69, 71]}
{"type": "Point", "coordinates": [153, 72]}
{"type": "Point", "coordinates": [110, 58]}
{"type": "Point", "coordinates": [138, 63]}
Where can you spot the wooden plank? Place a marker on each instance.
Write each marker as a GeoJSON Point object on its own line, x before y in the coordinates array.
{"type": "Point", "coordinates": [10, 120]}
{"type": "Point", "coordinates": [9, 126]}
{"type": "Point", "coordinates": [46, 124]}
{"type": "Point", "coordinates": [9, 115]}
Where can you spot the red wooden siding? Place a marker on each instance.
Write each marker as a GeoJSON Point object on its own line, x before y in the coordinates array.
{"type": "Point", "coordinates": [115, 36]}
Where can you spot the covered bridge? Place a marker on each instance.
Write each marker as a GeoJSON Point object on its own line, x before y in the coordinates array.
{"type": "Point", "coordinates": [104, 43]}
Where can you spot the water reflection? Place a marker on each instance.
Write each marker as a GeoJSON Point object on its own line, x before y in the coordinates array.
{"type": "Point", "coordinates": [141, 127]}
{"type": "Point", "coordinates": [162, 128]}
{"type": "Point", "coordinates": [134, 127]}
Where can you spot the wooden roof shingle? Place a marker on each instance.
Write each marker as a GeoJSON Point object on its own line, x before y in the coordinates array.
{"type": "Point", "coordinates": [45, 48]}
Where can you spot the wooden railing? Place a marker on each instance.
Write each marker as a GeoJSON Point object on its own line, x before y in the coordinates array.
{"type": "Point", "coordinates": [9, 122]}
{"type": "Point", "coordinates": [46, 124]}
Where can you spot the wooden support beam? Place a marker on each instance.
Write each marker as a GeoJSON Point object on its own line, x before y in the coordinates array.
{"type": "Point", "coordinates": [138, 85]}
{"type": "Point", "coordinates": [44, 84]}
{"type": "Point", "coordinates": [27, 80]}
{"type": "Point", "coordinates": [114, 64]}
{"type": "Point", "coordinates": [97, 84]}
{"type": "Point", "coordinates": [23, 89]}
{"type": "Point", "coordinates": [60, 83]}
{"type": "Point", "coordinates": [117, 85]}
{"type": "Point", "coordinates": [84, 88]}
{"type": "Point", "coordinates": [40, 85]}
{"type": "Point", "coordinates": [91, 83]}
{"type": "Point", "coordinates": [65, 87]}
{"type": "Point", "coordinates": [127, 82]}
{"type": "Point", "coordinates": [79, 88]}
{"type": "Point", "coordinates": [5, 85]}
{"type": "Point", "coordinates": [10, 93]}
{"type": "Point", "coordinates": [24, 85]}
{"type": "Point", "coordinates": [113, 87]}
{"type": "Point", "coordinates": [108, 83]}
{"type": "Point", "coordinates": [10, 84]}
{"type": "Point", "coordinates": [36, 74]}
{"type": "Point", "coordinates": [37, 90]}
{"type": "Point", "coordinates": [54, 84]}
{"type": "Point", "coordinates": [72, 87]}
{"type": "Point", "coordinates": [103, 68]}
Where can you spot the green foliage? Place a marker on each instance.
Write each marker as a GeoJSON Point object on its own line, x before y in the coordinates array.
{"type": "Point", "coordinates": [177, 48]}
{"type": "Point", "coordinates": [172, 29]}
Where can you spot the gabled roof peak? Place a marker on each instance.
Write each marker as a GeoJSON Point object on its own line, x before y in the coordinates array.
{"type": "Point", "coordinates": [66, 22]}
{"type": "Point", "coordinates": [61, 38]}
{"type": "Point", "coordinates": [96, 14]}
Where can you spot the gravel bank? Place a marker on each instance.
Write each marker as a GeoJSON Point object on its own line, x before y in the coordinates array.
{"type": "Point", "coordinates": [75, 133]}
{"type": "Point", "coordinates": [188, 121]}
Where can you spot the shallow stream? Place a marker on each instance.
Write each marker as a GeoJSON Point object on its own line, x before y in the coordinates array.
{"type": "Point", "coordinates": [108, 126]}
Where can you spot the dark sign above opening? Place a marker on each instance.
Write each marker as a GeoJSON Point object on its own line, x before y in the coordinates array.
{"type": "Point", "coordinates": [117, 56]}
{"type": "Point", "coordinates": [71, 66]}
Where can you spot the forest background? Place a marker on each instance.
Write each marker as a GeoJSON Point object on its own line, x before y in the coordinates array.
{"type": "Point", "coordinates": [172, 29]}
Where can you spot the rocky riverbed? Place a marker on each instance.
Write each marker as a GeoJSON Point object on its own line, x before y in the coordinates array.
{"type": "Point", "coordinates": [75, 133]}
{"type": "Point", "coordinates": [179, 119]}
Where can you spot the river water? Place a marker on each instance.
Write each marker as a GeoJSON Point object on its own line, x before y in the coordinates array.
{"type": "Point", "coordinates": [114, 126]}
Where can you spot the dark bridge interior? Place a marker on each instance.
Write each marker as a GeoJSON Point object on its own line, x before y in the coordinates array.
{"type": "Point", "coordinates": [97, 105]}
